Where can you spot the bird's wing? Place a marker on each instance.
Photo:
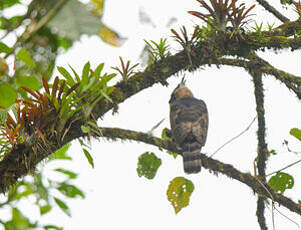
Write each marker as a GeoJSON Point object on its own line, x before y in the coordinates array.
{"type": "Point", "coordinates": [200, 125]}
{"type": "Point", "coordinates": [189, 116]}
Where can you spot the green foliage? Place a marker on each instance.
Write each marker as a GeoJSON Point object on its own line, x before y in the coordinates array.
{"type": "Point", "coordinates": [164, 136]}
{"type": "Point", "coordinates": [91, 85]}
{"type": "Point", "coordinates": [4, 48]}
{"type": "Point", "coordinates": [281, 181]}
{"type": "Point", "coordinates": [158, 51]}
{"type": "Point", "coordinates": [68, 22]}
{"type": "Point", "coordinates": [179, 192]}
{"type": "Point", "coordinates": [126, 71]}
{"type": "Point", "coordinates": [284, 2]}
{"type": "Point", "coordinates": [63, 206]}
{"type": "Point", "coordinates": [29, 82]}
{"type": "Point", "coordinates": [70, 190]}
{"type": "Point", "coordinates": [18, 221]}
{"type": "Point", "coordinates": [89, 157]}
{"type": "Point", "coordinates": [258, 29]}
{"type": "Point", "coordinates": [70, 174]}
{"type": "Point", "coordinates": [8, 3]}
{"type": "Point", "coordinates": [51, 227]}
{"type": "Point", "coordinates": [61, 154]}
{"type": "Point", "coordinates": [296, 133]}
{"type": "Point", "coordinates": [148, 164]}
{"type": "Point", "coordinates": [45, 209]}
{"type": "Point", "coordinates": [24, 56]}
{"type": "Point", "coordinates": [8, 95]}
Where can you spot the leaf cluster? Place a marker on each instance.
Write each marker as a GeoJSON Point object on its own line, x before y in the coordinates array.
{"type": "Point", "coordinates": [158, 51]}
{"type": "Point", "coordinates": [222, 12]}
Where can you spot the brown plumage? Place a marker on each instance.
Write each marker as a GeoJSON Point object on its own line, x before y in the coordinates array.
{"type": "Point", "coordinates": [189, 125]}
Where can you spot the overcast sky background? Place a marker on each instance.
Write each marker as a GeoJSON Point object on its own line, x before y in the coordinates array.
{"type": "Point", "coordinates": [116, 198]}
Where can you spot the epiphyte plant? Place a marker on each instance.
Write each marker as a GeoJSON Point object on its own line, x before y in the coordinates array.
{"type": "Point", "coordinates": [222, 12]}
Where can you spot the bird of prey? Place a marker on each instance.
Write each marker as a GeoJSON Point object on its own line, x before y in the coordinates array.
{"type": "Point", "coordinates": [189, 126]}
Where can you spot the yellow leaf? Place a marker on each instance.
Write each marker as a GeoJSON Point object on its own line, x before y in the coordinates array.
{"type": "Point", "coordinates": [97, 7]}
{"type": "Point", "coordinates": [109, 36]}
{"type": "Point", "coordinates": [178, 192]}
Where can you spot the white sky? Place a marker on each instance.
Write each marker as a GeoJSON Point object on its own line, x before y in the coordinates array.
{"type": "Point", "coordinates": [116, 197]}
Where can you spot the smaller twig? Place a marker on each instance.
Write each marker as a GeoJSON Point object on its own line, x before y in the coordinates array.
{"type": "Point", "coordinates": [273, 215]}
{"type": "Point", "coordinates": [287, 217]}
{"type": "Point", "coordinates": [272, 10]}
{"type": "Point", "coordinates": [290, 165]}
{"type": "Point", "coordinates": [233, 138]}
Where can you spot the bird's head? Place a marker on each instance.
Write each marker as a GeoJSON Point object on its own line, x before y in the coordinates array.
{"type": "Point", "coordinates": [181, 91]}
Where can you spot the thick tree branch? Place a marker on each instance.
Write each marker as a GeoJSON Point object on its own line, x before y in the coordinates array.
{"type": "Point", "coordinates": [116, 133]}
{"type": "Point", "coordinates": [272, 10]}
{"type": "Point", "coordinates": [273, 42]}
{"type": "Point", "coordinates": [262, 151]}
{"type": "Point", "coordinates": [258, 186]}
{"type": "Point", "coordinates": [260, 213]}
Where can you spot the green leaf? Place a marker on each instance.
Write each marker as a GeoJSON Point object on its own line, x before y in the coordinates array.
{"type": "Point", "coordinates": [85, 129]}
{"type": "Point", "coordinates": [45, 209]}
{"type": "Point", "coordinates": [18, 221]}
{"type": "Point", "coordinates": [42, 191]}
{"type": "Point", "coordinates": [89, 157]}
{"type": "Point", "coordinates": [75, 74]}
{"type": "Point", "coordinates": [61, 154]}
{"type": "Point", "coordinates": [179, 192]}
{"type": "Point", "coordinates": [68, 22]}
{"type": "Point", "coordinates": [70, 174]}
{"type": "Point", "coordinates": [24, 56]}
{"type": "Point", "coordinates": [106, 96]}
{"type": "Point", "coordinates": [98, 69]}
{"type": "Point", "coordinates": [70, 190]}
{"type": "Point", "coordinates": [296, 133]}
{"type": "Point", "coordinates": [281, 181]}
{"type": "Point", "coordinates": [8, 3]}
{"type": "Point", "coordinates": [27, 191]}
{"type": "Point", "coordinates": [50, 226]}
{"type": "Point", "coordinates": [85, 74]}
{"type": "Point", "coordinates": [63, 206]}
{"type": "Point", "coordinates": [13, 21]}
{"type": "Point", "coordinates": [3, 116]}
{"type": "Point", "coordinates": [4, 48]}
{"type": "Point", "coordinates": [30, 82]}
{"type": "Point", "coordinates": [8, 95]}
{"type": "Point", "coordinates": [164, 136]}
{"type": "Point", "coordinates": [148, 164]}
{"type": "Point", "coordinates": [66, 74]}
{"type": "Point", "coordinates": [284, 2]}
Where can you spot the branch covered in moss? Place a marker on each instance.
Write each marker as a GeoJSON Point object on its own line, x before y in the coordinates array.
{"type": "Point", "coordinates": [262, 151]}
{"type": "Point", "coordinates": [122, 134]}
{"type": "Point", "coordinates": [260, 213]}
{"type": "Point", "coordinates": [260, 187]}
{"type": "Point", "coordinates": [273, 42]}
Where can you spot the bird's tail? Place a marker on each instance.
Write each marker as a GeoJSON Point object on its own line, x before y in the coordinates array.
{"type": "Point", "coordinates": [192, 157]}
